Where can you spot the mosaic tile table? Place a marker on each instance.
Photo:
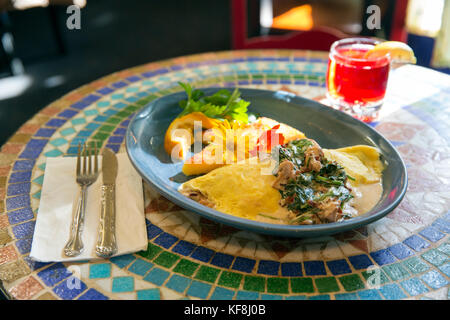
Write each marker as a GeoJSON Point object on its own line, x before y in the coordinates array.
{"type": "Point", "coordinates": [402, 256]}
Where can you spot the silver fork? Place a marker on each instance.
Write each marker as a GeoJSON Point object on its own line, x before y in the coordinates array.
{"type": "Point", "coordinates": [86, 175]}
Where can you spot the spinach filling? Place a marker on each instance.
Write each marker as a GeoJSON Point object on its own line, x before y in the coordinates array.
{"type": "Point", "coordinates": [304, 194]}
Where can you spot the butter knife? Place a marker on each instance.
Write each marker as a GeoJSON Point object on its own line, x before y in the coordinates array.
{"type": "Point", "coordinates": [106, 241]}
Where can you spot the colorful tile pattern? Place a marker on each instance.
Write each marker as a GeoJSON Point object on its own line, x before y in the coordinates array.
{"type": "Point", "coordinates": [402, 256]}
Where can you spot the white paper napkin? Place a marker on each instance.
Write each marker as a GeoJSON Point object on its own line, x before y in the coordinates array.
{"type": "Point", "coordinates": [59, 196]}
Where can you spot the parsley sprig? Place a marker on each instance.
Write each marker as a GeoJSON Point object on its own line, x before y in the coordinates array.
{"type": "Point", "coordinates": [221, 105]}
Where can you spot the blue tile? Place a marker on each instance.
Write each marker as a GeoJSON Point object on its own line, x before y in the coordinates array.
{"type": "Point", "coordinates": [24, 245]}
{"type": "Point", "coordinates": [84, 133]}
{"type": "Point", "coordinates": [140, 267]}
{"type": "Point", "coordinates": [69, 288]}
{"type": "Point", "coordinates": [17, 202]}
{"type": "Point", "coordinates": [382, 257]}
{"type": "Point", "coordinates": [149, 294]}
{"type": "Point", "coordinates": [445, 269]}
{"type": "Point", "coordinates": [67, 113]}
{"type": "Point", "coordinates": [442, 225]}
{"type": "Point", "coordinates": [157, 276]}
{"type": "Point", "coordinates": [55, 123]}
{"type": "Point", "coordinates": [115, 139]}
{"type": "Point", "coordinates": [361, 261]}
{"type": "Point", "coordinates": [92, 126]}
{"type": "Point", "coordinates": [35, 265]}
{"type": "Point", "coordinates": [100, 118]}
{"type": "Point", "coordinates": [152, 230]}
{"type": "Point", "coordinates": [133, 78]}
{"type": "Point", "coordinates": [291, 269]}
{"type": "Point", "coordinates": [338, 267]}
{"type": "Point", "coordinates": [120, 131]}
{"type": "Point", "coordinates": [113, 147]}
{"type": "Point", "coordinates": [184, 248]}
{"type": "Point", "coordinates": [434, 279]}
{"type": "Point", "coordinates": [122, 284]}
{"type": "Point", "coordinates": [23, 230]}
{"type": "Point", "coordinates": [346, 296]}
{"type": "Point", "coordinates": [120, 105]}
{"type": "Point", "coordinates": [123, 261]}
{"type": "Point", "coordinates": [199, 289]}
{"type": "Point", "coordinates": [202, 254]}
{"type": "Point", "coordinates": [20, 176]}
{"type": "Point", "coordinates": [414, 286]}
{"type": "Point", "coordinates": [400, 251]}
{"type": "Point", "coordinates": [296, 297]}
{"type": "Point", "coordinates": [165, 240]}
{"type": "Point", "coordinates": [416, 243]}
{"type": "Point", "coordinates": [247, 295]}
{"type": "Point", "coordinates": [392, 292]}
{"type": "Point", "coordinates": [93, 294]}
{"type": "Point", "coordinates": [178, 283]}
{"type": "Point", "coordinates": [432, 234]}
{"type": "Point", "coordinates": [265, 296]}
{"type": "Point", "coordinates": [222, 294]}
{"type": "Point", "coordinates": [268, 267]}
{"type": "Point", "coordinates": [320, 297]}
{"type": "Point", "coordinates": [314, 268]}
{"type": "Point", "coordinates": [91, 98]}
{"type": "Point", "coordinates": [100, 270]}
{"type": "Point", "coordinates": [20, 215]}
{"type": "Point", "coordinates": [119, 84]}
{"type": "Point", "coordinates": [23, 165]}
{"type": "Point", "coordinates": [80, 105]}
{"type": "Point", "coordinates": [222, 260]}
{"type": "Point", "coordinates": [105, 90]}
{"type": "Point", "coordinates": [54, 274]}
{"type": "Point", "coordinates": [243, 264]}
{"type": "Point", "coordinates": [33, 149]}
{"type": "Point", "coordinates": [370, 294]}
{"type": "Point", "coordinates": [18, 189]}
{"type": "Point", "coordinates": [45, 132]}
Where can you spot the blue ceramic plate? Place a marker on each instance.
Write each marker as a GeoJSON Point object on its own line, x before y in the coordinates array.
{"type": "Point", "coordinates": [330, 128]}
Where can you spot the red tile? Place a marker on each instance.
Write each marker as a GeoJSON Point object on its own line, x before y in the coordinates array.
{"type": "Point", "coordinates": [26, 289]}
{"type": "Point", "coordinates": [29, 128]}
{"type": "Point", "coordinates": [12, 148]}
{"type": "Point", "coordinates": [3, 221]}
{"type": "Point", "coordinates": [7, 254]}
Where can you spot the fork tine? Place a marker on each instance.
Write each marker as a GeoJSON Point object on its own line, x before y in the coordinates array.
{"type": "Point", "coordinates": [79, 160]}
{"type": "Point", "coordinates": [89, 161]}
{"type": "Point", "coordinates": [84, 159]}
{"type": "Point", "coordinates": [95, 159]}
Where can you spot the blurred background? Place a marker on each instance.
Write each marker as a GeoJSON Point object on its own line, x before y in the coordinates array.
{"type": "Point", "coordinates": [41, 59]}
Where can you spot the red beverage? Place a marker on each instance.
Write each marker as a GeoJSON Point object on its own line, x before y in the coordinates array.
{"type": "Point", "coordinates": [356, 84]}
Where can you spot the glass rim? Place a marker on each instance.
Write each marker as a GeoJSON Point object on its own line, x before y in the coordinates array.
{"type": "Point", "coordinates": [356, 40]}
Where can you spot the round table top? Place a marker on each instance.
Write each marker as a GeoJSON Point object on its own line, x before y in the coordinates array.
{"type": "Point", "coordinates": [404, 255]}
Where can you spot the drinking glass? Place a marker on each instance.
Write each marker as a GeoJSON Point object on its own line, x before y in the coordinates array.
{"type": "Point", "coordinates": [356, 84]}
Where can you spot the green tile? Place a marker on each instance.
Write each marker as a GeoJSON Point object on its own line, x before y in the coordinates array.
{"type": "Point", "coordinates": [445, 248]}
{"type": "Point", "coordinates": [351, 282]}
{"type": "Point", "coordinates": [39, 180]}
{"type": "Point", "coordinates": [100, 136]}
{"type": "Point", "coordinates": [416, 265]}
{"type": "Point", "coordinates": [123, 114]}
{"type": "Point", "coordinates": [132, 108]}
{"type": "Point", "coordinates": [166, 259]}
{"type": "Point", "coordinates": [113, 120]}
{"type": "Point", "coordinates": [376, 275]}
{"type": "Point", "coordinates": [186, 267]}
{"type": "Point", "coordinates": [254, 283]}
{"type": "Point", "coordinates": [327, 284]}
{"type": "Point", "coordinates": [435, 257]}
{"type": "Point", "coordinates": [230, 279]}
{"type": "Point", "coordinates": [151, 251]}
{"type": "Point", "coordinates": [107, 128]}
{"type": "Point", "coordinates": [302, 285]}
{"type": "Point", "coordinates": [396, 271]}
{"type": "Point", "coordinates": [277, 285]}
{"type": "Point", "coordinates": [208, 274]}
